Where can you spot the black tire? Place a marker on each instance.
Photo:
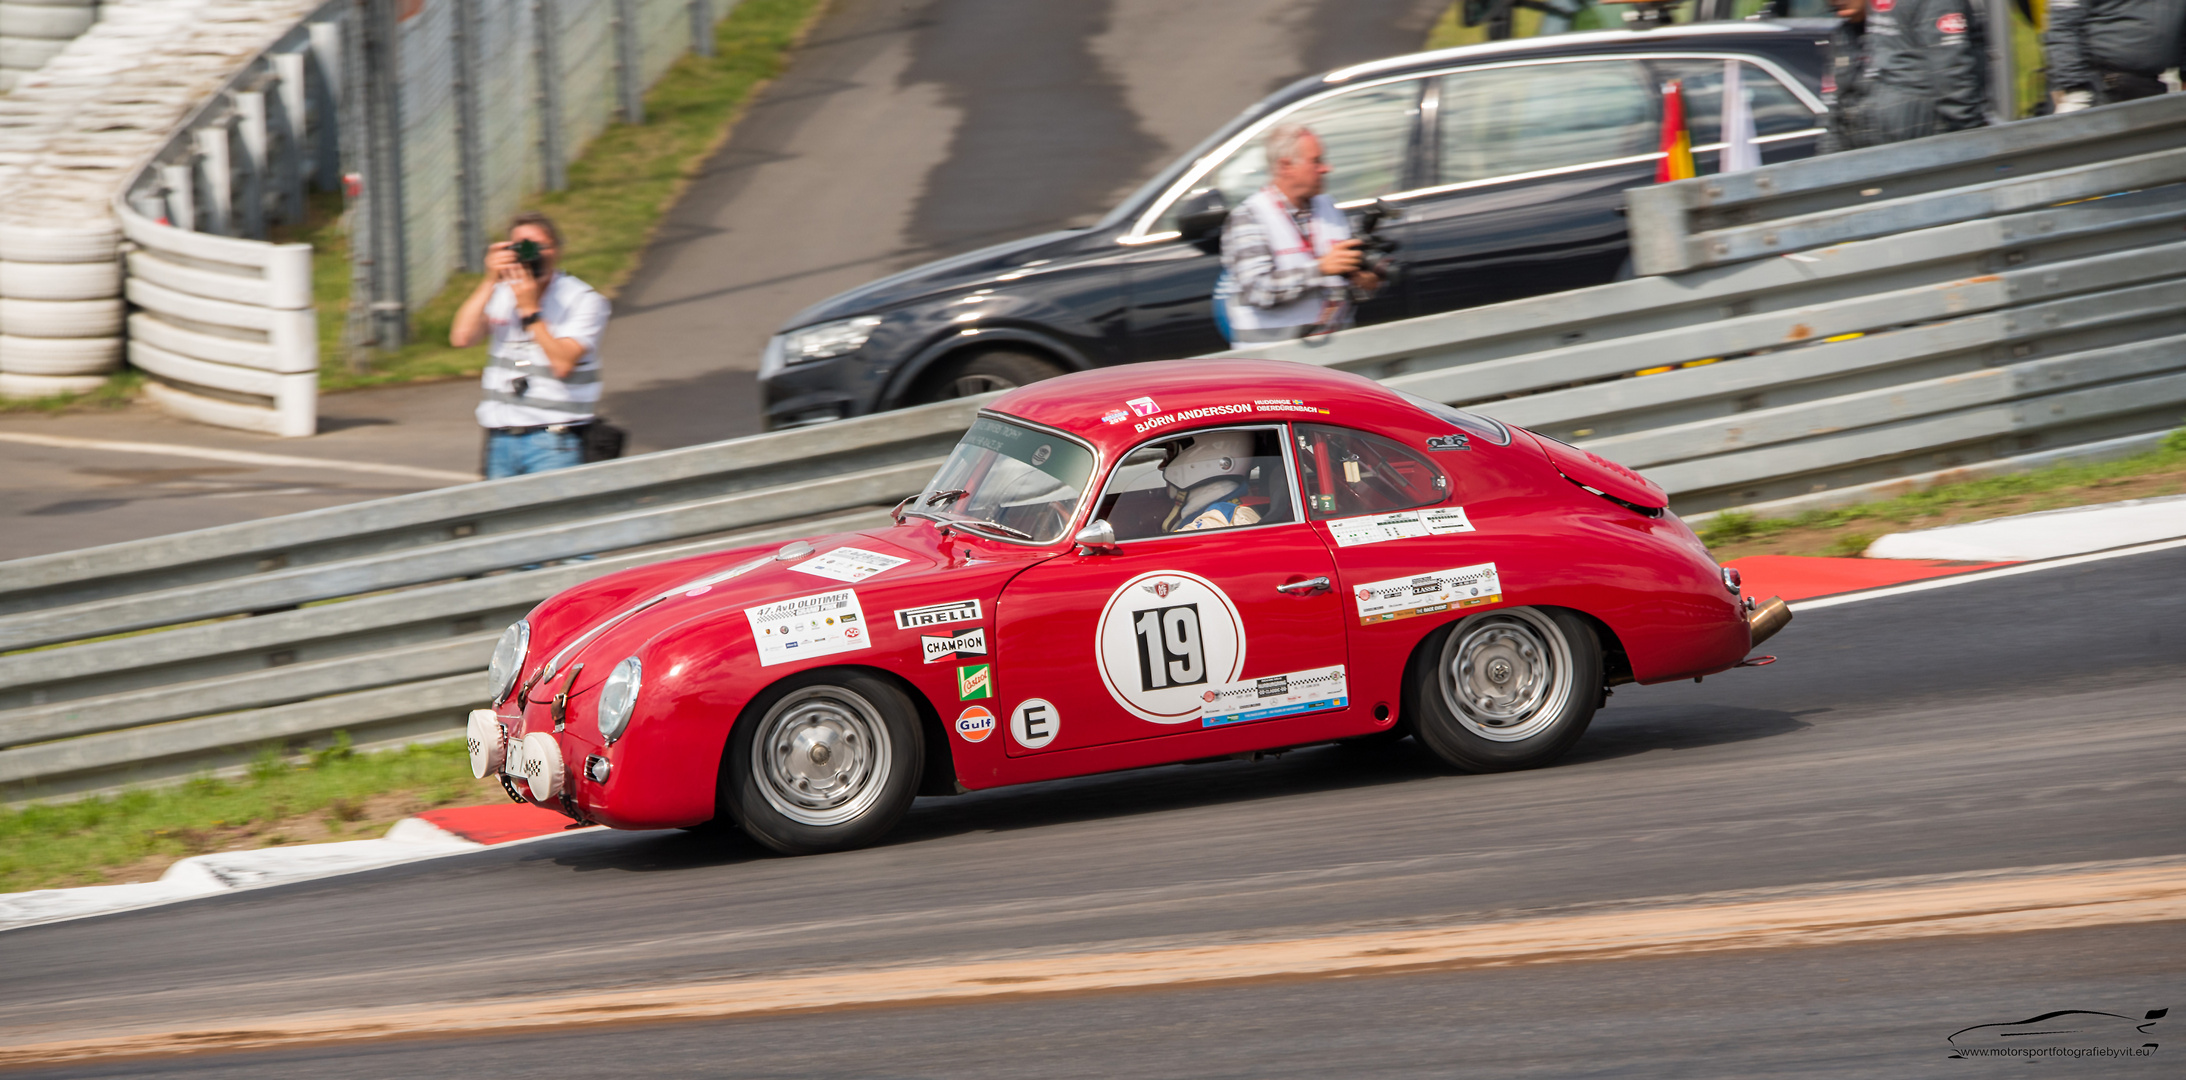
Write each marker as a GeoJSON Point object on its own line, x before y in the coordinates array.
{"type": "Point", "coordinates": [1507, 689]}
{"type": "Point", "coordinates": [825, 760]}
{"type": "Point", "coordinates": [989, 371]}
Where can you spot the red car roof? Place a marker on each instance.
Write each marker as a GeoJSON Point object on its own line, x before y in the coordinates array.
{"type": "Point", "coordinates": [1115, 408]}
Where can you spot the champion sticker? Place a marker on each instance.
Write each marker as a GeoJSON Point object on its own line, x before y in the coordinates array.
{"type": "Point", "coordinates": [1425, 594]}
{"type": "Point", "coordinates": [819, 625]}
{"type": "Point", "coordinates": [975, 724]}
{"type": "Point", "coordinates": [1456, 440]}
{"type": "Point", "coordinates": [1952, 23]}
{"type": "Point", "coordinates": [974, 682]}
{"type": "Point", "coordinates": [1164, 637]}
{"type": "Point", "coordinates": [955, 611]}
{"type": "Point", "coordinates": [1034, 723]}
{"type": "Point", "coordinates": [1402, 525]}
{"type": "Point", "coordinates": [849, 564]}
{"type": "Point", "coordinates": [937, 648]}
{"type": "Point", "coordinates": [1275, 695]}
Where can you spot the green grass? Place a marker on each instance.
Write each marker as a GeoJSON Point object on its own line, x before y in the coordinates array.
{"type": "Point", "coordinates": [330, 794]}
{"type": "Point", "coordinates": [2054, 486]}
{"type": "Point", "coordinates": [120, 389]}
{"type": "Point", "coordinates": [618, 189]}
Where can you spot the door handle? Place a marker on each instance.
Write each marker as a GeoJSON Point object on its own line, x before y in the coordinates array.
{"type": "Point", "coordinates": [1307, 587]}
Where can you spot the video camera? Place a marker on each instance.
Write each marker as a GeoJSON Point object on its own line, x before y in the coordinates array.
{"type": "Point", "coordinates": [1377, 253]}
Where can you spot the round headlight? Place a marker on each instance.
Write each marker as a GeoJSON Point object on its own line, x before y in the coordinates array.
{"type": "Point", "coordinates": [508, 659]}
{"type": "Point", "coordinates": [618, 698]}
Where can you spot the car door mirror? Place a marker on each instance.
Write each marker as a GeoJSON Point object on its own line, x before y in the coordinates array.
{"type": "Point", "coordinates": [1098, 538]}
{"type": "Point", "coordinates": [1200, 217]}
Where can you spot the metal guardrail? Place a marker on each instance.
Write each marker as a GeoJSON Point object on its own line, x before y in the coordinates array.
{"type": "Point", "coordinates": [2051, 331]}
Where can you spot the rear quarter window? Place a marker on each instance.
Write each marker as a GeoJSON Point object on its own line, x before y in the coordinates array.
{"type": "Point", "coordinates": [1348, 473]}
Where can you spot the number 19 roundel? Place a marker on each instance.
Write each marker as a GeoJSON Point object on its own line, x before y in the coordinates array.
{"type": "Point", "coordinates": [1164, 637]}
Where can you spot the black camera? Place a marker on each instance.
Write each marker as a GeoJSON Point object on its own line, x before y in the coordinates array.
{"type": "Point", "coordinates": [527, 253]}
{"type": "Point", "coordinates": [1377, 253]}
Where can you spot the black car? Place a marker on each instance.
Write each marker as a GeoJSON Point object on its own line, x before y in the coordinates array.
{"type": "Point", "coordinates": [1507, 162]}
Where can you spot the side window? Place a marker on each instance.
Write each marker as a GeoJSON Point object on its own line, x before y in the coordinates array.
{"type": "Point", "coordinates": [1206, 480]}
{"type": "Point", "coordinates": [1542, 116]}
{"type": "Point", "coordinates": [1366, 138]}
{"type": "Point", "coordinates": [1348, 473]}
{"type": "Point", "coordinates": [1776, 110]}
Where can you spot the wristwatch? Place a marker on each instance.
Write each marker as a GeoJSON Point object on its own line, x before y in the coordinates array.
{"type": "Point", "coordinates": [531, 318]}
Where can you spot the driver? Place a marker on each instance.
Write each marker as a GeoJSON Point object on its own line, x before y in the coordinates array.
{"type": "Point", "coordinates": [1207, 480]}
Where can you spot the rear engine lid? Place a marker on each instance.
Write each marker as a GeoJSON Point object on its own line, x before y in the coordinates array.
{"type": "Point", "coordinates": [1601, 475]}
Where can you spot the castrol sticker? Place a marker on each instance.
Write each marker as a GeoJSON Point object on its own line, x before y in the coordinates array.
{"type": "Point", "coordinates": [975, 724]}
{"type": "Point", "coordinates": [1164, 637]}
{"type": "Point", "coordinates": [1952, 23]}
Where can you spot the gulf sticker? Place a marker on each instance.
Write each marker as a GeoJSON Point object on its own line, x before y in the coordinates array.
{"type": "Point", "coordinates": [975, 724]}
{"type": "Point", "coordinates": [1164, 636]}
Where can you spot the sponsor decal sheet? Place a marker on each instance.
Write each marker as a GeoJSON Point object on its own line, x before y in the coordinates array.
{"type": "Point", "coordinates": [822, 624]}
{"type": "Point", "coordinates": [849, 564]}
{"type": "Point", "coordinates": [1402, 525]}
{"type": "Point", "coordinates": [1274, 695]}
{"type": "Point", "coordinates": [1425, 594]}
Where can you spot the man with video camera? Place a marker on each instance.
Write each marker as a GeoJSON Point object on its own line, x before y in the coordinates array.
{"type": "Point", "coordinates": [1291, 265]}
{"type": "Point", "coordinates": [543, 327]}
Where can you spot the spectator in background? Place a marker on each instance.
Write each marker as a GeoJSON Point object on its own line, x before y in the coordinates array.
{"type": "Point", "coordinates": [542, 387]}
{"type": "Point", "coordinates": [1903, 69]}
{"type": "Point", "coordinates": [1288, 257]}
{"type": "Point", "coordinates": [2101, 51]}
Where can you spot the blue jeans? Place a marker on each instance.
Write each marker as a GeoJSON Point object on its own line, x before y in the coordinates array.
{"type": "Point", "coordinates": [533, 451]}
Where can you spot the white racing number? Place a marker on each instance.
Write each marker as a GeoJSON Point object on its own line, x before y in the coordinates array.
{"type": "Point", "coordinates": [1163, 636]}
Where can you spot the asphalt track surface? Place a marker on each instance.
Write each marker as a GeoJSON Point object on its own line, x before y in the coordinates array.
{"type": "Point", "coordinates": [2022, 721]}
{"type": "Point", "coordinates": [901, 131]}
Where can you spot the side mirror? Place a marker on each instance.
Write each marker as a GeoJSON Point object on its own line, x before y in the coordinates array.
{"type": "Point", "coordinates": [1097, 538]}
{"type": "Point", "coordinates": [1200, 217]}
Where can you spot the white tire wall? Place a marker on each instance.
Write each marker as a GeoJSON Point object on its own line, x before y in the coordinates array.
{"type": "Point", "coordinates": [60, 308]}
{"type": "Point", "coordinates": [43, 21]}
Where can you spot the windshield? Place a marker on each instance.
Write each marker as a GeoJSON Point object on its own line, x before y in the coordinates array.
{"type": "Point", "coordinates": [1011, 481]}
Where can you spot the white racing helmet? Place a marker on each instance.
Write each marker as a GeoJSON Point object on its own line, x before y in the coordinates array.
{"type": "Point", "coordinates": [1216, 454]}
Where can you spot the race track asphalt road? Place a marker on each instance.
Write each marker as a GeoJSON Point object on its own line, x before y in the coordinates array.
{"type": "Point", "coordinates": [2016, 722]}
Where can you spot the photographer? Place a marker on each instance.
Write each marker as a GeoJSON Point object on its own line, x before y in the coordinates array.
{"type": "Point", "coordinates": [542, 387]}
{"type": "Point", "coordinates": [1289, 259]}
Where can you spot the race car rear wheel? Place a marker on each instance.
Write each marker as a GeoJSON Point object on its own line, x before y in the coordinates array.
{"type": "Point", "coordinates": [1508, 689]}
{"type": "Point", "coordinates": [823, 761]}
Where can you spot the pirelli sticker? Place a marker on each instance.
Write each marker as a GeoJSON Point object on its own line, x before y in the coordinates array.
{"type": "Point", "coordinates": [1425, 594]}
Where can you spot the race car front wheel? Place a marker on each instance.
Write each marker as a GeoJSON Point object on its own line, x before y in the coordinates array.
{"type": "Point", "coordinates": [1508, 689]}
{"type": "Point", "coordinates": [823, 761]}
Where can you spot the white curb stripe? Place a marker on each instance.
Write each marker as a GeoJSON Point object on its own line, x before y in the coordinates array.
{"type": "Point", "coordinates": [237, 457]}
{"type": "Point", "coordinates": [1984, 575]}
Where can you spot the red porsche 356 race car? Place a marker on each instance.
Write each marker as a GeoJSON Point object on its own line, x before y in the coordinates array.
{"type": "Point", "coordinates": [1120, 568]}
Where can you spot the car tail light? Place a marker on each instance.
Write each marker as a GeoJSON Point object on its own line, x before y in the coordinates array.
{"type": "Point", "coordinates": [1732, 580]}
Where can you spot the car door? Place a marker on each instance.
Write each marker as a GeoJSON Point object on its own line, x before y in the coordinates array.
{"type": "Point", "coordinates": [1368, 137]}
{"type": "Point", "coordinates": [1531, 161]}
{"type": "Point", "coordinates": [1173, 633]}
{"type": "Point", "coordinates": [1786, 122]}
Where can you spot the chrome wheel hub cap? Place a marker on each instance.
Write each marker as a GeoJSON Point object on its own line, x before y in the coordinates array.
{"type": "Point", "coordinates": [822, 756]}
{"type": "Point", "coordinates": [1506, 676]}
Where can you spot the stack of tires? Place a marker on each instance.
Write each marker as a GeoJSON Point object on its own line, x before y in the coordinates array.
{"type": "Point", "coordinates": [60, 307]}
{"type": "Point", "coordinates": [34, 31]}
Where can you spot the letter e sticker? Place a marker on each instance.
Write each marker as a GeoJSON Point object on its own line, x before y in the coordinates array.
{"type": "Point", "coordinates": [975, 724]}
{"type": "Point", "coordinates": [1034, 723]}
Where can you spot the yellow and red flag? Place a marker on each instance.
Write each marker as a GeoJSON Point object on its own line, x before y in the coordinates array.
{"type": "Point", "coordinates": [1677, 142]}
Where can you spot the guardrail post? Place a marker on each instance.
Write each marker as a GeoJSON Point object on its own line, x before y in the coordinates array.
{"type": "Point", "coordinates": [290, 84]}
{"type": "Point", "coordinates": [326, 139]}
{"type": "Point", "coordinates": [372, 143]}
{"type": "Point", "coordinates": [215, 164]}
{"type": "Point", "coordinates": [702, 27]}
{"type": "Point", "coordinates": [2003, 80]}
{"type": "Point", "coordinates": [250, 123]}
{"type": "Point", "coordinates": [627, 76]}
{"type": "Point", "coordinates": [470, 186]}
{"type": "Point", "coordinates": [181, 195]}
{"type": "Point", "coordinates": [547, 97]}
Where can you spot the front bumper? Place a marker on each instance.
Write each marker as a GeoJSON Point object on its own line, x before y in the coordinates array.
{"type": "Point", "coordinates": [820, 390]}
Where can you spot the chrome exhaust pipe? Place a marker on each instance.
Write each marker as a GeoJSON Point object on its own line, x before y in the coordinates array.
{"type": "Point", "coordinates": [1766, 620]}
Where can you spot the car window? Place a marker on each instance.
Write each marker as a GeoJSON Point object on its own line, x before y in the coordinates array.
{"type": "Point", "coordinates": [1542, 116]}
{"type": "Point", "coordinates": [1352, 472]}
{"type": "Point", "coordinates": [1486, 427]}
{"type": "Point", "coordinates": [1776, 110]}
{"type": "Point", "coordinates": [1366, 139]}
{"type": "Point", "coordinates": [1230, 478]}
{"type": "Point", "coordinates": [1024, 480]}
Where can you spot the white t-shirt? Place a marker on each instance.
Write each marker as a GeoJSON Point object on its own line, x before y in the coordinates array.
{"type": "Point", "coordinates": [571, 309]}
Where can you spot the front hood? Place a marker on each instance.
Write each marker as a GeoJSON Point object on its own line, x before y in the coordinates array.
{"type": "Point", "coordinates": [954, 272]}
